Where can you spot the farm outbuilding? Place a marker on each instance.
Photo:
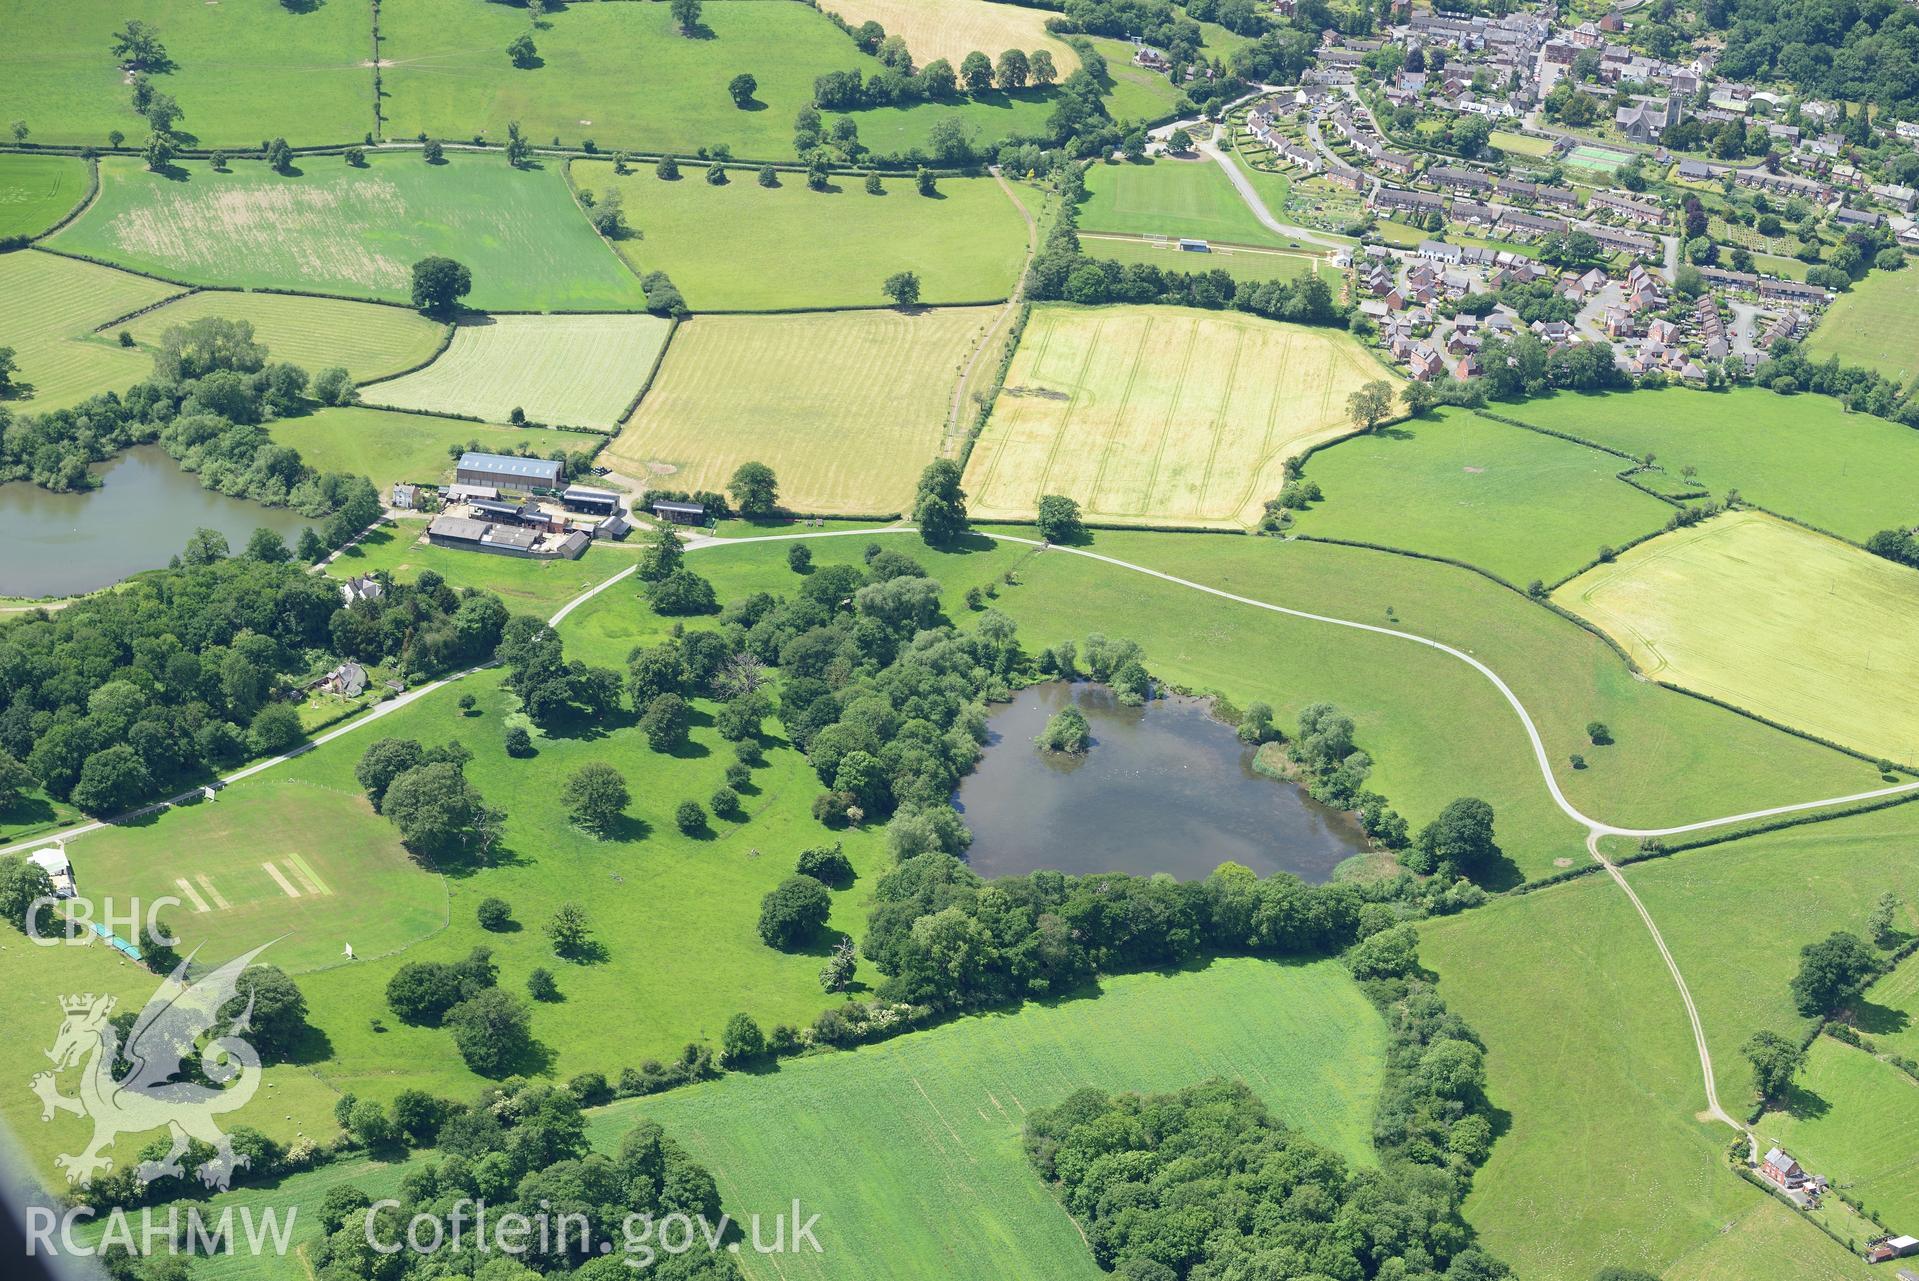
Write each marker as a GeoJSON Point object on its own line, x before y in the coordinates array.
{"type": "Point", "coordinates": [590, 502]}
{"type": "Point", "coordinates": [508, 472]}
{"type": "Point", "coordinates": [53, 860]}
{"type": "Point", "coordinates": [680, 513]}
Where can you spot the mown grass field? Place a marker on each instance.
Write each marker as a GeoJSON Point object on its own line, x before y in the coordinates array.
{"type": "Point", "coordinates": [450, 77]}
{"type": "Point", "coordinates": [951, 29]}
{"type": "Point", "coordinates": [369, 340]}
{"type": "Point", "coordinates": [1589, 1051]}
{"type": "Point", "coordinates": [1523, 505]}
{"type": "Point", "coordinates": [38, 191]}
{"type": "Point", "coordinates": [1135, 93]}
{"type": "Point", "coordinates": [1159, 414]}
{"type": "Point", "coordinates": [253, 865]}
{"type": "Point", "coordinates": [49, 307]}
{"type": "Point", "coordinates": [1875, 324]}
{"type": "Point", "coordinates": [1856, 1121]}
{"type": "Point", "coordinates": [1802, 456]}
{"type": "Point", "coordinates": [910, 1150]}
{"type": "Point", "coordinates": [744, 247]}
{"type": "Point", "coordinates": [385, 446]}
{"type": "Point", "coordinates": [1896, 1030]}
{"type": "Point", "coordinates": [1435, 728]}
{"type": "Point", "coordinates": [1170, 198]}
{"type": "Point", "coordinates": [575, 371]}
{"type": "Point", "coordinates": [846, 407]}
{"type": "Point", "coordinates": [1240, 264]}
{"type": "Point", "coordinates": [242, 72]}
{"type": "Point", "coordinates": [1771, 1238]}
{"type": "Point", "coordinates": [527, 586]}
{"type": "Point", "coordinates": [336, 229]}
{"type": "Point", "coordinates": [1798, 627]}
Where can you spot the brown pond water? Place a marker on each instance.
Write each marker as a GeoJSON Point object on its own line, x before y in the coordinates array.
{"type": "Point", "coordinates": [1164, 788]}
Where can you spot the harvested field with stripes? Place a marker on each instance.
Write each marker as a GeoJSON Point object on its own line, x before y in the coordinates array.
{"type": "Point", "coordinates": [846, 407]}
{"type": "Point", "coordinates": [1165, 415]}
{"type": "Point", "coordinates": [49, 307]}
{"type": "Point", "coordinates": [573, 371]}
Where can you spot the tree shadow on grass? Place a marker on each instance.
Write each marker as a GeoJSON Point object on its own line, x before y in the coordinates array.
{"type": "Point", "coordinates": [589, 952]}
{"type": "Point", "coordinates": [628, 828]}
{"type": "Point", "coordinates": [574, 725]}
{"type": "Point", "coordinates": [314, 1046]}
{"type": "Point", "coordinates": [1804, 1105]}
{"type": "Point", "coordinates": [1879, 1020]}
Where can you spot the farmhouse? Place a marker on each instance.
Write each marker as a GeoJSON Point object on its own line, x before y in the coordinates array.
{"type": "Point", "coordinates": [347, 680]}
{"type": "Point", "coordinates": [507, 472]}
{"type": "Point", "coordinates": [364, 587]}
{"type": "Point", "coordinates": [1779, 1166]}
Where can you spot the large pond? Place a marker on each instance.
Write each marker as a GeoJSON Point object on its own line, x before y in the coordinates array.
{"type": "Point", "coordinates": [1164, 788]}
{"type": "Point", "coordinates": [139, 518]}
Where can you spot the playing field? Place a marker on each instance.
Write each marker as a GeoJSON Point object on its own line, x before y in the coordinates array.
{"type": "Point", "coordinates": [1166, 197]}
{"type": "Point", "coordinates": [277, 860]}
{"type": "Point", "coordinates": [910, 1150]}
{"type": "Point", "coordinates": [847, 407]}
{"type": "Point", "coordinates": [369, 340]}
{"type": "Point", "coordinates": [1159, 413]}
{"type": "Point", "coordinates": [1523, 505]}
{"type": "Point", "coordinates": [448, 76]}
{"type": "Point", "coordinates": [336, 229]}
{"type": "Point", "coordinates": [951, 29]}
{"type": "Point", "coordinates": [1802, 456]}
{"type": "Point", "coordinates": [744, 247]}
{"type": "Point", "coordinates": [574, 371]}
{"type": "Point", "coordinates": [1519, 144]}
{"type": "Point", "coordinates": [48, 309]}
{"type": "Point", "coordinates": [1875, 324]}
{"type": "Point", "coordinates": [1239, 263]}
{"type": "Point", "coordinates": [241, 72]}
{"type": "Point", "coordinates": [1797, 627]}
{"type": "Point", "coordinates": [386, 447]}
{"type": "Point", "coordinates": [38, 191]}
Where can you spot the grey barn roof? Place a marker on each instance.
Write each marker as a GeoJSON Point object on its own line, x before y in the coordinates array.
{"type": "Point", "coordinates": [509, 465]}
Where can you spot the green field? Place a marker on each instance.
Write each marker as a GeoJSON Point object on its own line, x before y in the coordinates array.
{"type": "Point", "coordinates": [1435, 728]}
{"type": "Point", "coordinates": [1522, 505]}
{"type": "Point", "coordinates": [1240, 264]}
{"type": "Point", "coordinates": [1896, 1030]}
{"type": "Point", "coordinates": [575, 371]}
{"type": "Point", "coordinates": [49, 307]}
{"type": "Point", "coordinates": [242, 71]}
{"type": "Point", "coordinates": [1801, 456]}
{"type": "Point", "coordinates": [623, 76]}
{"type": "Point", "coordinates": [38, 191]}
{"type": "Point", "coordinates": [910, 1150]}
{"type": "Point", "coordinates": [744, 247]}
{"type": "Point", "coordinates": [1856, 1121]}
{"type": "Point", "coordinates": [1159, 414]}
{"type": "Point", "coordinates": [1800, 628]}
{"type": "Point", "coordinates": [336, 229]}
{"type": "Point", "coordinates": [1133, 92]}
{"type": "Point", "coordinates": [1166, 197]}
{"type": "Point", "coordinates": [1770, 1239]}
{"type": "Point", "coordinates": [1875, 324]}
{"type": "Point", "coordinates": [371, 341]}
{"type": "Point", "coordinates": [847, 407]}
{"type": "Point", "coordinates": [1589, 1051]}
{"type": "Point", "coordinates": [1803, 883]}
{"type": "Point", "coordinates": [1518, 144]}
{"type": "Point", "coordinates": [386, 447]}
{"type": "Point", "coordinates": [527, 586]}
{"type": "Point", "coordinates": [246, 868]}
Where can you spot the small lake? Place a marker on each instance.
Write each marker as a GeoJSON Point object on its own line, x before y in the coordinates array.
{"type": "Point", "coordinates": [1164, 788]}
{"type": "Point", "coordinates": [139, 518]}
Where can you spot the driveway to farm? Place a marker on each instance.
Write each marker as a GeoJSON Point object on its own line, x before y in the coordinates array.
{"type": "Point", "coordinates": [1595, 829]}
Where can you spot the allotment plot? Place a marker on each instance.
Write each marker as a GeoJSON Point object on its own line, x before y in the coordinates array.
{"type": "Point", "coordinates": [1800, 628]}
{"type": "Point", "coordinates": [575, 371]}
{"type": "Point", "coordinates": [1159, 414]}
